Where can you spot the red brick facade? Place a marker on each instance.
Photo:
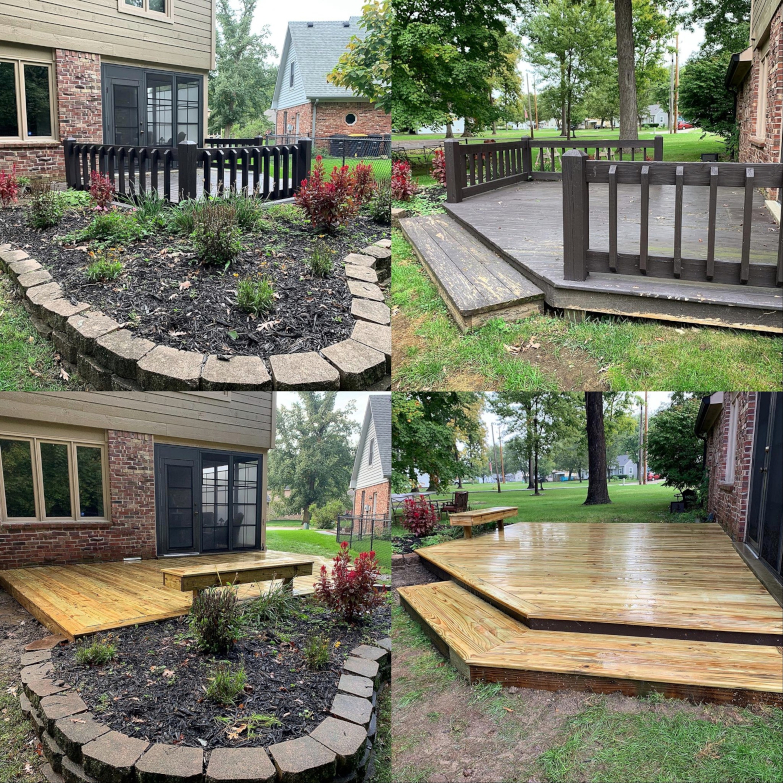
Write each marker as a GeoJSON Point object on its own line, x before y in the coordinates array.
{"type": "Point", "coordinates": [729, 501]}
{"type": "Point", "coordinates": [330, 119]}
{"type": "Point", "coordinates": [382, 494]}
{"type": "Point", "coordinates": [79, 114]}
{"type": "Point", "coordinates": [130, 533]}
{"type": "Point", "coordinates": [753, 149]}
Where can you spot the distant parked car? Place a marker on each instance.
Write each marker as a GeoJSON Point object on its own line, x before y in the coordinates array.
{"type": "Point", "coordinates": [682, 125]}
{"type": "Point", "coordinates": [653, 476]}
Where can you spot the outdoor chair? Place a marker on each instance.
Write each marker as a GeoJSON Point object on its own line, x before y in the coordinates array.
{"type": "Point", "coordinates": [458, 503]}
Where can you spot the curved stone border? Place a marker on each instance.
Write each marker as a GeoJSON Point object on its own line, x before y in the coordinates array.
{"type": "Point", "coordinates": [80, 749]}
{"type": "Point", "coordinates": [112, 358]}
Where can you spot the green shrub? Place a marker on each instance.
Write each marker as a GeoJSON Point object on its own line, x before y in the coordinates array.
{"type": "Point", "coordinates": [320, 260]}
{"type": "Point", "coordinates": [380, 204]}
{"type": "Point", "coordinates": [182, 219]}
{"type": "Point", "coordinates": [151, 210]}
{"type": "Point", "coordinates": [75, 199]}
{"type": "Point", "coordinates": [104, 266]}
{"type": "Point", "coordinates": [255, 296]}
{"type": "Point", "coordinates": [216, 233]}
{"type": "Point", "coordinates": [226, 683]}
{"type": "Point", "coordinates": [272, 605]}
{"type": "Point", "coordinates": [215, 619]}
{"type": "Point", "coordinates": [249, 211]}
{"type": "Point", "coordinates": [95, 654]}
{"type": "Point", "coordinates": [118, 227]}
{"type": "Point", "coordinates": [325, 518]}
{"type": "Point", "coordinates": [317, 651]}
{"type": "Point", "coordinates": [46, 207]}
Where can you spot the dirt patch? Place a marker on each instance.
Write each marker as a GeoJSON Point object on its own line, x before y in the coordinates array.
{"type": "Point", "coordinates": [410, 571]}
{"type": "Point", "coordinates": [404, 330]}
{"type": "Point", "coordinates": [573, 369]}
{"type": "Point", "coordinates": [17, 628]}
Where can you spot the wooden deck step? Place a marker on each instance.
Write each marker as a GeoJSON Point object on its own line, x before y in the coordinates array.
{"type": "Point", "coordinates": [487, 645]}
{"type": "Point", "coordinates": [476, 283]}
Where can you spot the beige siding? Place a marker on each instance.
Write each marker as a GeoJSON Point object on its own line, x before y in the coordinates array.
{"type": "Point", "coordinates": [97, 26]}
{"type": "Point", "coordinates": [370, 475]}
{"type": "Point", "coordinates": [762, 13]}
{"type": "Point", "coordinates": [230, 420]}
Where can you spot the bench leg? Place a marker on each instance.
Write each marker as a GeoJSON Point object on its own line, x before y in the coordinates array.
{"type": "Point", "coordinates": [288, 584]}
{"type": "Point", "coordinates": [501, 526]}
{"type": "Point", "coordinates": [467, 532]}
{"type": "Point", "coordinates": [195, 594]}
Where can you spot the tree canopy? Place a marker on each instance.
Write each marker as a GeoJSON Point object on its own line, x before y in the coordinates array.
{"type": "Point", "coordinates": [673, 449]}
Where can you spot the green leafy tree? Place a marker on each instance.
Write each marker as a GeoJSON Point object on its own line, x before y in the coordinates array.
{"type": "Point", "coordinates": [313, 456]}
{"type": "Point", "coordinates": [602, 100]}
{"type": "Point", "coordinates": [550, 106]}
{"type": "Point", "coordinates": [243, 82]}
{"type": "Point", "coordinates": [365, 67]}
{"type": "Point", "coordinates": [673, 450]}
{"type": "Point", "coordinates": [726, 23]}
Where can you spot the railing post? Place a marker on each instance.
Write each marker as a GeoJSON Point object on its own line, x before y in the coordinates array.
{"type": "Point", "coordinates": [70, 169]}
{"type": "Point", "coordinates": [187, 152]}
{"type": "Point", "coordinates": [658, 148]}
{"type": "Point", "coordinates": [258, 141]}
{"type": "Point", "coordinates": [305, 160]}
{"type": "Point", "coordinates": [452, 157]}
{"type": "Point", "coordinates": [575, 215]}
{"type": "Point", "coordinates": [527, 156]}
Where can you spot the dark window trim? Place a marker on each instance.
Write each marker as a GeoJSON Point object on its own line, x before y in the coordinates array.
{"type": "Point", "coordinates": [372, 448]}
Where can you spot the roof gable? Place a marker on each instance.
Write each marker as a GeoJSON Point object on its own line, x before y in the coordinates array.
{"type": "Point", "coordinates": [379, 413]}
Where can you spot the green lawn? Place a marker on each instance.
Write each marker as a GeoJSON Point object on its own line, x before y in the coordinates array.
{"type": "Point", "coordinates": [310, 542]}
{"type": "Point", "coordinates": [603, 352]}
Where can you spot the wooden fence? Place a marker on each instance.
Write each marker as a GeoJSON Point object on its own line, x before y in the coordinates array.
{"type": "Point", "coordinates": [262, 171]}
{"type": "Point", "coordinates": [480, 166]}
{"type": "Point", "coordinates": [579, 259]}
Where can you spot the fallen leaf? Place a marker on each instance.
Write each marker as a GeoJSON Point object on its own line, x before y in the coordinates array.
{"type": "Point", "coordinates": [184, 284]}
{"type": "Point", "coordinates": [64, 375]}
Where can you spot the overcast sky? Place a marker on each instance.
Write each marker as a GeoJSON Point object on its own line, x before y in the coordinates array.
{"type": "Point", "coordinates": [343, 399]}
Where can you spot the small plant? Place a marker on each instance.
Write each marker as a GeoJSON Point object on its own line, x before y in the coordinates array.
{"type": "Point", "coordinates": [104, 265]}
{"type": "Point", "coordinates": [419, 516]}
{"type": "Point", "coordinates": [216, 234]}
{"type": "Point", "coordinates": [327, 204]}
{"type": "Point", "coordinates": [256, 721]}
{"type": "Point", "coordinates": [113, 228]}
{"type": "Point", "coordinates": [95, 654]}
{"type": "Point", "coordinates": [101, 191]}
{"type": "Point", "coordinates": [46, 208]}
{"type": "Point", "coordinates": [182, 218]}
{"type": "Point", "coordinates": [9, 187]}
{"type": "Point", "coordinates": [255, 296]}
{"type": "Point", "coordinates": [272, 605]}
{"type": "Point", "coordinates": [215, 619]}
{"type": "Point", "coordinates": [325, 517]}
{"type": "Point", "coordinates": [320, 260]}
{"type": "Point", "coordinates": [317, 652]}
{"type": "Point", "coordinates": [74, 199]}
{"type": "Point", "coordinates": [249, 213]}
{"type": "Point", "coordinates": [151, 209]}
{"type": "Point", "coordinates": [439, 166]}
{"type": "Point", "coordinates": [291, 213]}
{"type": "Point", "coordinates": [226, 683]}
{"type": "Point", "coordinates": [403, 187]}
{"type": "Point", "coordinates": [351, 590]}
{"type": "Point", "coordinates": [381, 203]}
{"type": "Point", "coordinates": [363, 182]}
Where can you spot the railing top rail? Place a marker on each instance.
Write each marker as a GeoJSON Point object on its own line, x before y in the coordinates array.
{"type": "Point", "coordinates": [592, 143]}
{"type": "Point", "coordinates": [768, 175]}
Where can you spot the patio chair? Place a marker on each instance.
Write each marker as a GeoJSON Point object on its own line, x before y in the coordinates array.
{"type": "Point", "coordinates": [458, 503]}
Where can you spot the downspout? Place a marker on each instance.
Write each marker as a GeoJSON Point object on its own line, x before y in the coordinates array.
{"type": "Point", "coordinates": [315, 105]}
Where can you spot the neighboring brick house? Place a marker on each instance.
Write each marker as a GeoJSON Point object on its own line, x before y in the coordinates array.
{"type": "Point", "coordinates": [129, 72]}
{"type": "Point", "coordinates": [88, 477]}
{"type": "Point", "coordinates": [371, 478]}
{"type": "Point", "coordinates": [305, 103]}
{"type": "Point", "coordinates": [756, 76]}
{"type": "Point", "coordinates": [743, 433]}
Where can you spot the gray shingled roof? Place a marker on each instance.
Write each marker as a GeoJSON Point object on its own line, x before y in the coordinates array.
{"type": "Point", "coordinates": [318, 48]}
{"type": "Point", "coordinates": [381, 416]}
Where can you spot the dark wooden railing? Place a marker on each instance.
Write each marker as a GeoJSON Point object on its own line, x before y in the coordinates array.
{"type": "Point", "coordinates": [580, 259]}
{"type": "Point", "coordinates": [267, 140]}
{"type": "Point", "coordinates": [484, 165]}
{"type": "Point", "coordinates": [265, 172]}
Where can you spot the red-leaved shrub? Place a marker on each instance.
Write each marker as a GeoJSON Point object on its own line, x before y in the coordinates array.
{"type": "Point", "coordinates": [403, 186]}
{"type": "Point", "coordinates": [363, 182]}
{"type": "Point", "coordinates": [101, 192]}
{"type": "Point", "coordinates": [327, 204]}
{"type": "Point", "coordinates": [9, 187]}
{"type": "Point", "coordinates": [439, 166]}
{"type": "Point", "coordinates": [421, 518]}
{"type": "Point", "coordinates": [351, 591]}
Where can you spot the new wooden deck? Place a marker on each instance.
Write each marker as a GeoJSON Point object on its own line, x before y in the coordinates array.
{"type": "Point", "coordinates": [658, 580]}
{"type": "Point", "coordinates": [523, 225]}
{"type": "Point", "coordinates": [76, 600]}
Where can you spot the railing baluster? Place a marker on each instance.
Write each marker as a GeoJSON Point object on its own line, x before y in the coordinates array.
{"type": "Point", "coordinates": [208, 155]}
{"type": "Point", "coordinates": [711, 224]}
{"type": "Point", "coordinates": [266, 157]}
{"type": "Point", "coordinates": [613, 218]}
{"type": "Point", "coordinates": [220, 177]}
{"type": "Point", "coordinates": [154, 171]}
{"type": "Point", "coordinates": [645, 218]}
{"type": "Point", "coordinates": [168, 158]}
{"type": "Point", "coordinates": [286, 190]}
{"type": "Point", "coordinates": [111, 157]}
{"type": "Point", "coordinates": [779, 279]}
{"type": "Point", "coordinates": [747, 224]}
{"type": "Point", "coordinates": [552, 151]}
{"type": "Point", "coordinates": [678, 184]}
{"type": "Point", "coordinates": [472, 162]}
{"type": "Point", "coordinates": [276, 172]}
{"type": "Point", "coordinates": [142, 172]}
{"type": "Point", "coordinates": [245, 171]}
{"type": "Point", "coordinates": [122, 160]}
{"type": "Point", "coordinates": [232, 169]}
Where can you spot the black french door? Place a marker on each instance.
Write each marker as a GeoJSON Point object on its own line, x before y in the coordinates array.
{"type": "Point", "coordinates": [207, 501]}
{"type": "Point", "coordinates": [765, 506]}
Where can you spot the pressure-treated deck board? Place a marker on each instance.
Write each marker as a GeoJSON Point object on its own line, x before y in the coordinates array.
{"type": "Point", "coordinates": [680, 578]}
{"type": "Point", "coordinates": [80, 599]}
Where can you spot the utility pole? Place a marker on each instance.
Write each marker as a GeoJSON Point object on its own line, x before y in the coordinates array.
{"type": "Point", "coordinates": [500, 442]}
{"type": "Point", "coordinates": [492, 430]}
{"type": "Point", "coordinates": [535, 101]}
{"type": "Point", "coordinates": [676, 79]}
{"type": "Point", "coordinates": [645, 436]}
{"type": "Point", "coordinates": [640, 461]}
{"type": "Point", "coordinates": [529, 107]}
{"type": "Point", "coordinates": [671, 95]}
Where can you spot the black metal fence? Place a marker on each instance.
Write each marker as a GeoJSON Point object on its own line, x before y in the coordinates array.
{"type": "Point", "coordinates": [361, 532]}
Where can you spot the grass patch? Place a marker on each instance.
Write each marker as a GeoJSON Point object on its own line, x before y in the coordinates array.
{"type": "Point", "coordinates": [18, 759]}
{"type": "Point", "coordinates": [103, 269]}
{"type": "Point", "coordinates": [317, 651]}
{"type": "Point", "coordinates": [255, 296]}
{"type": "Point", "coordinates": [310, 542]}
{"type": "Point", "coordinates": [382, 744]}
{"type": "Point", "coordinates": [96, 654]}
{"type": "Point", "coordinates": [226, 683]}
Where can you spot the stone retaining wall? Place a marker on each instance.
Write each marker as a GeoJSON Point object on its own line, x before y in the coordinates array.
{"type": "Point", "coordinates": [111, 358]}
{"type": "Point", "coordinates": [80, 749]}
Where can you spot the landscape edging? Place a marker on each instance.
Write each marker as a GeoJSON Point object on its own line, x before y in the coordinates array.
{"type": "Point", "coordinates": [49, 703]}
{"type": "Point", "coordinates": [83, 336]}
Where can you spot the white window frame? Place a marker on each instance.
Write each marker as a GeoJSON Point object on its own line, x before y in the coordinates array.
{"type": "Point", "coordinates": [731, 444]}
{"type": "Point", "coordinates": [21, 101]}
{"type": "Point", "coordinates": [355, 116]}
{"type": "Point", "coordinates": [761, 100]}
{"type": "Point", "coordinates": [124, 8]}
{"type": "Point", "coordinates": [73, 478]}
{"type": "Point", "coordinates": [371, 450]}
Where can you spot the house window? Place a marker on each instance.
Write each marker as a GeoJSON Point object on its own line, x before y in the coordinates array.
{"type": "Point", "coordinates": [47, 479]}
{"type": "Point", "coordinates": [26, 103]}
{"type": "Point", "coordinates": [156, 9]}
{"type": "Point", "coordinates": [291, 79]}
{"type": "Point", "coordinates": [372, 445]}
{"type": "Point", "coordinates": [350, 119]}
{"type": "Point", "coordinates": [761, 101]}
{"type": "Point", "coordinates": [731, 444]}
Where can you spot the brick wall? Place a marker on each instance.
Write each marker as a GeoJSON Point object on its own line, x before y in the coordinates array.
{"type": "Point", "coordinates": [767, 149]}
{"type": "Point", "coordinates": [305, 112]}
{"type": "Point", "coordinates": [729, 502]}
{"type": "Point", "coordinates": [79, 114]}
{"type": "Point", "coordinates": [382, 502]}
{"type": "Point", "coordinates": [330, 119]}
{"type": "Point", "coordinates": [130, 533]}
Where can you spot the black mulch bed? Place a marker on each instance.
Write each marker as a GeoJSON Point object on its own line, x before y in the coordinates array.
{"type": "Point", "coordinates": [154, 687]}
{"type": "Point", "coordinates": [404, 545]}
{"type": "Point", "coordinates": [149, 296]}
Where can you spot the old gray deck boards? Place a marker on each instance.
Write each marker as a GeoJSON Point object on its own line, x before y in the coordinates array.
{"type": "Point", "coordinates": [474, 280]}
{"type": "Point", "coordinates": [523, 223]}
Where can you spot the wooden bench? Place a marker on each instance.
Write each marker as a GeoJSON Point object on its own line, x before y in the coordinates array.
{"type": "Point", "coordinates": [466, 519]}
{"type": "Point", "coordinates": [197, 578]}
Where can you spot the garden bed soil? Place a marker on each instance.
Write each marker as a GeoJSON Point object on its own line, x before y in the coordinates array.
{"type": "Point", "coordinates": [404, 545]}
{"type": "Point", "coordinates": [155, 687]}
{"type": "Point", "coordinates": [165, 294]}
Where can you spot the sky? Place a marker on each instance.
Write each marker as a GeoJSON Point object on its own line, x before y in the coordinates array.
{"type": "Point", "coordinates": [359, 400]}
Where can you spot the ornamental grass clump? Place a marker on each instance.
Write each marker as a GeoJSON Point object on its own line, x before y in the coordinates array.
{"type": "Point", "coordinates": [316, 651]}
{"type": "Point", "coordinates": [419, 516]}
{"type": "Point", "coordinates": [328, 204]}
{"type": "Point", "coordinates": [255, 296]}
{"type": "Point", "coordinates": [320, 260]}
{"type": "Point", "coordinates": [272, 605]}
{"type": "Point", "coordinates": [46, 207]}
{"type": "Point", "coordinates": [351, 590]}
{"type": "Point", "coordinates": [95, 654]}
{"type": "Point", "coordinates": [104, 265]}
{"type": "Point", "coordinates": [215, 619]}
{"type": "Point", "coordinates": [226, 683]}
{"type": "Point", "coordinates": [216, 233]}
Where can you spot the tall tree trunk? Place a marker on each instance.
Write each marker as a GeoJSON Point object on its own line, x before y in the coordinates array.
{"type": "Point", "coordinates": [535, 479]}
{"type": "Point", "coordinates": [623, 20]}
{"type": "Point", "coordinates": [449, 131]}
{"type": "Point", "coordinates": [530, 483]}
{"type": "Point", "coordinates": [597, 486]}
